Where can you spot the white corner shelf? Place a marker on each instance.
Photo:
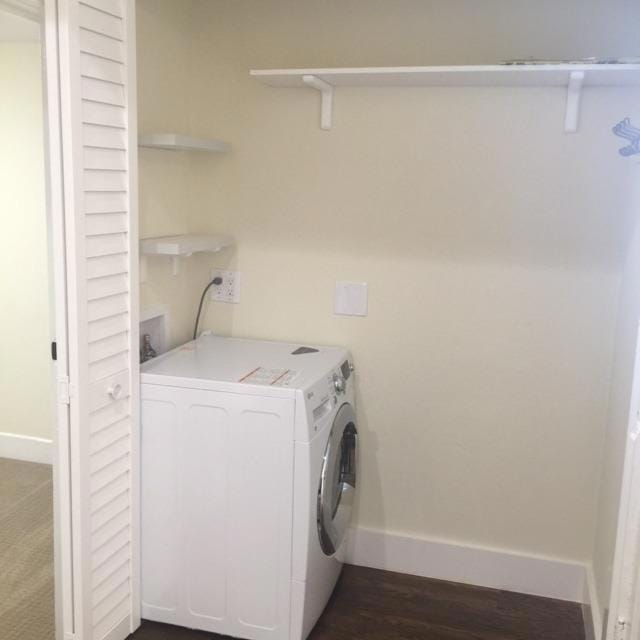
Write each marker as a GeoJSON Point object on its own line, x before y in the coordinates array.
{"type": "Point", "coordinates": [177, 142]}
{"type": "Point", "coordinates": [572, 76]}
{"type": "Point", "coordinates": [182, 246]}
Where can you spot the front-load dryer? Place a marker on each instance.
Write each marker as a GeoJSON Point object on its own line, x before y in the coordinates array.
{"type": "Point", "coordinates": [249, 454]}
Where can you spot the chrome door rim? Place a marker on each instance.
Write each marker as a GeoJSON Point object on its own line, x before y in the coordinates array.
{"type": "Point", "coordinates": [336, 492]}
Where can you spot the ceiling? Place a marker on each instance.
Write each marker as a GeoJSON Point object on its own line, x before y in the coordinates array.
{"type": "Point", "coordinates": [13, 28]}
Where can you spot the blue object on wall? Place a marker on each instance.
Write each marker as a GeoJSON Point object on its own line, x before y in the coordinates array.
{"type": "Point", "coordinates": [627, 131]}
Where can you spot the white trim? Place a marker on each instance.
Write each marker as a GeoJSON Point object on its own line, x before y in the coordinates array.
{"type": "Point", "coordinates": [63, 570]}
{"type": "Point", "coordinates": [591, 612]}
{"type": "Point", "coordinates": [625, 590]}
{"type": "Point", "coordinates": [26, 448]}
{"type": "Point", "coordinates": [134, 316]}
{"type": "Point", "coordinates": [493, 568]}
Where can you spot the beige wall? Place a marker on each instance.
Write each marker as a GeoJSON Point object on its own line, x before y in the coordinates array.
{"type": "Point", "coordinates": [491, 241]}
{"type": "Point", "coordinates": [25, 383]}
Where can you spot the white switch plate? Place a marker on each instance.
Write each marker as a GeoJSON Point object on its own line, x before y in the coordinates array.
{"type": "Point", "coordinates": [229, 290]}
{"type": "Point", "coordinates": [351, 299]}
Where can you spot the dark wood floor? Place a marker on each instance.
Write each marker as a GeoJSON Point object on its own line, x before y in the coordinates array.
{"type": "Point", "coordinates": [379, 605]}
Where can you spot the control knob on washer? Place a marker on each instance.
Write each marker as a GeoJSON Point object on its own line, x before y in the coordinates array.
{"type": "Point", "coordinates": [339, 384]}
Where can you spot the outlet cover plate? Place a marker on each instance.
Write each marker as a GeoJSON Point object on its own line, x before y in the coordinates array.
{"type": "Point", "coordinates": [229, 290]}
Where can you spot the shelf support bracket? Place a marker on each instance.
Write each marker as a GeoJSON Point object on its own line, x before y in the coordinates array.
{"type": "Point", "coordinates": [574, 94]}
{"type": "Point", "coordinates": [326, 104]}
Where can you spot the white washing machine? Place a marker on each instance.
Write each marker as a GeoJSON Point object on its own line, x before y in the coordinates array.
{"type": "Point", "coordinates": [248, 480]}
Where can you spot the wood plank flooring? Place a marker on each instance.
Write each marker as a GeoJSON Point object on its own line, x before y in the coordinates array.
{"type": "Point", "coordinates": [378, 605]}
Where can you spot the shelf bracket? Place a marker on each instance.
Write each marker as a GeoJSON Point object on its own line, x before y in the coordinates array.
{"type": "Point", "coordinates": [175, 265]}
{"type": "Point", "coordinates": [574, 94]}
{"type": "Point", "coordinates": [326, 104]}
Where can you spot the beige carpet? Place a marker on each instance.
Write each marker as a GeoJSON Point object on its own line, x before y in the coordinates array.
{"type": "Point", "coordinates": [26, 551]}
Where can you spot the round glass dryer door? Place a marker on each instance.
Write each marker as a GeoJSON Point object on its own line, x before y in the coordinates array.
{"type": "Point", "coordinates": [337, 480]}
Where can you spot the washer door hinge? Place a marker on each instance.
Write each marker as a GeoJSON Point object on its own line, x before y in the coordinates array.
{"type": "Point", "coordinates": [64, 391]}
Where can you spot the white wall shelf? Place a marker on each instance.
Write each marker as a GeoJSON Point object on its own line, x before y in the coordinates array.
{"type": "Point", "coordinates": [572, 76]}
{"type": "Point", "coordinates": [182, 246]}
{"type": "Point", "coordinates": [177, 142]}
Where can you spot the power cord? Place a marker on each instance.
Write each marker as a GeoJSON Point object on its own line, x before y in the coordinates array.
{"type": "Point", "coordinates": [217, 281]}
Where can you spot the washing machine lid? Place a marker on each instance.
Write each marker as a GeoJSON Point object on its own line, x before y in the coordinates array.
{"type": "Point", "coordinates": [273, 368]}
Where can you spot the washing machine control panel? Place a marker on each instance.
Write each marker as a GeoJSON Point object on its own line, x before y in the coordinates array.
{"type": "Point", "coordinates": [328, 393]}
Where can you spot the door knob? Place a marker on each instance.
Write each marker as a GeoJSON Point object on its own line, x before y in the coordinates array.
{"type": "Point", "coordinates": [115, 391]}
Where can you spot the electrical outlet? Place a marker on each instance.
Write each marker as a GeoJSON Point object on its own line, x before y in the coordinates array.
{"type": "Point", "coordinates": [229, 290]}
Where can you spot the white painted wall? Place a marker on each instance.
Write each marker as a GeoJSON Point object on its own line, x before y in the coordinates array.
{"type": "Point", "coordinates": [25, 382]}
{"type": "Point", "coordinates": [492, 242]}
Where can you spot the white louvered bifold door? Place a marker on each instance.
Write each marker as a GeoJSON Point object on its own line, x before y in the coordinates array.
{"type": "Point", "coordinates": [97, 77]}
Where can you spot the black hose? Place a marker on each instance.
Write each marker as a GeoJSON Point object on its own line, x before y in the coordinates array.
{"type": "Point", "coordinates": [218, 281]}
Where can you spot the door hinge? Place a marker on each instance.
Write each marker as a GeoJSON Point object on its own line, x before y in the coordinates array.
{"type": "Point", "coordinates": [64, 390]}
{"type": "Point", "coordinates": [622, 630]}
{"type": "Point", "coordinates": [54, 350]}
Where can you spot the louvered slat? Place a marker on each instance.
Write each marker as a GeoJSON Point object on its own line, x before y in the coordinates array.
{"type": "Point", "coordinates": [101, 46]}
{"type": "Point", "coordinates": [105, 203]}
{"type": "Point", "coordinates": [107, 265]}
{"type": "Point", "coordinates": [106, 159]}
{"type": "Point", "coordinates": [108, 367]}
{"type": "Point", "coordinates": [101, 479]}
{"type": "Point", "coordinates": [110, 566]}
{"type": "Point", "coordinates": [107, 307]}
{"type": "Point", "coordinates": [106, 245]}
{"type": "Point", "coordinates": [108, 415]}
{"type": "Point", "coordinates": [108, 327]}
{"type": "Point", "coordinates": [104, 180]}
{"type": "Point", "coordinates": [102, 91]}
{"type": "Point", "coordinates": [101, 69]}
{"type": "Point", "coordinates": [103, 626]}
{"type": "Point", "coordinates": [107, 286]}
{"type": "Point", "coordinates": [105, 115]}
{"type": "Point", "coordinates": [103, 591]}
{"type": "Point", "coordinates": [100, 22]}
{"type": "Point", "coordinates": [108, 347]}
{"type": "Point", "coordinates": [102, 555]}
{"type": "Point", "coordinates": [109, 511]}
{"type": "Point", "coordinates": [104, 223]}
{"type": "Point", "coordinates": [104, 137]}
{"type": "Point", "coordinates": [107, 437]}
{"type": "Point", "coordinates": [111, 491]}
{"type": "Point", "coordinates": [109, 601]}
{"type": "Point", "coordinates": [112, 7]}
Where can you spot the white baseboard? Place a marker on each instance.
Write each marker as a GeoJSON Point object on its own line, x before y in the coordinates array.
{"type": "Point", "coordinates": [591, 611]}
{"type": "Point", "coordinates": [26, 448]}
{"type": "Point", "coordinates": [497, 569]}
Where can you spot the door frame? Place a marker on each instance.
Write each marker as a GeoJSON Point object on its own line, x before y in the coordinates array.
{"type": "Point", "coordinates": [63, 539]}
{"type": "Point", "coordinates": [624, 602]}
{"type": "Point", "coordinates": [45, 13]}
